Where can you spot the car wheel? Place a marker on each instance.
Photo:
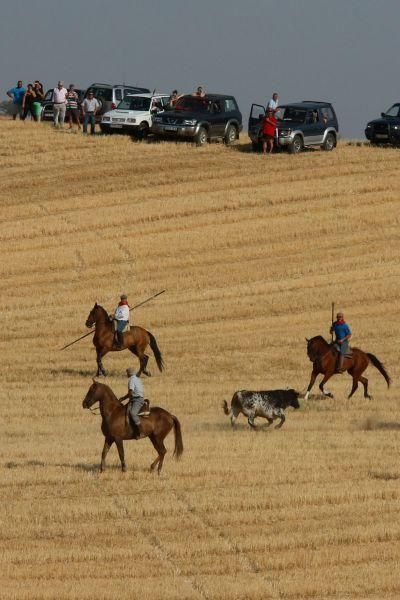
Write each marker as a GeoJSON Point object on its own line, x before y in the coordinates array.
{"type": "Point", "coordinates": [230, 135]}
{"type": "Point", "coordinates": [297, 145]}
{"type": "Point", "coordinates": [143, 131]}
{"type": "Point", "coordinates": [201, 137]}
{"type": "Point", "coordinates": [329, 143]}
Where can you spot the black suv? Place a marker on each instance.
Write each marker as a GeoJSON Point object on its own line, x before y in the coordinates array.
{"type": "Point", "coordinates": [201, 119]}
{"type": "Point", "coordinates": [387, 129]}
{"type": "Point", "coordinates": [302, 124]}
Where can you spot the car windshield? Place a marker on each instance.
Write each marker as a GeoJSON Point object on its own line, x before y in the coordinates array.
{"type": "Point", "coordinates": [135, 103]}
{"type": "Point", "coordinates": [101, 93]}
{"type": "Point", "coordinates": [193, 103]}
{"type": "Point", "coordinates": [393, 111]}
{"type": "Point", "coordinates": [291, 113]}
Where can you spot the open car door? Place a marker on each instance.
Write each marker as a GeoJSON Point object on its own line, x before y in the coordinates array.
{"type": "Point", "coordinates": [257, 112]}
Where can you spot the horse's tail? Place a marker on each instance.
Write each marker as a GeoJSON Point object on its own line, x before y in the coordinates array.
{"type": "Point", "coordinates": [226, 408]}
{"type": "Point", "coordinates": [377, 363]}
{"type": "Point", "coordinates": [156, 351]}
{"type": "Point", "coordinates": [178, 450]}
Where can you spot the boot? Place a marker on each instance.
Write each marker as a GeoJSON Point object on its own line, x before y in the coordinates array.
{"type": "Point", "coordinates": [120, 339]}
{"type": "Point", "coordinates": [341, 368]}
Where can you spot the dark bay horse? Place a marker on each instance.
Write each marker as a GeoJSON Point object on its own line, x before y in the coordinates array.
{"type": "Point", "coordinates": [324, 360]}
{"type": "Point", "coordinates": [115, 427]}
{"type": "Point", "coordinates": [136, 340]}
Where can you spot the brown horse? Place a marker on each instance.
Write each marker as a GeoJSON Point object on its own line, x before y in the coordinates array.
{"type": "Point", "coordinates": [324, 359]}
{"type": "Point", "coordinates": [136, 339]}
{"type": "Point", "coordinates": [116, 427]}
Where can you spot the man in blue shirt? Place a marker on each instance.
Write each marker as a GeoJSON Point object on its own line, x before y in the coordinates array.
{"type": "Point", "coordinates": [342, 334]}
{"type": "Point", "coordinates": [17, 95]}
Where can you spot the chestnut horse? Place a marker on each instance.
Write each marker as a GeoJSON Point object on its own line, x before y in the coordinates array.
{"type": "Point", "coordinates": [136, 339]}
{"type": "Point", "coordinates": [116, 427]}
{"type": "Point", "coordinates": [324, 359]}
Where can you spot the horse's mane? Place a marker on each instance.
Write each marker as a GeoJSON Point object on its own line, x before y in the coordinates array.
{"type": "Point", "coordinates": [318, 338]}
{"type": "Point", "coordinates": [102, 309]}
{"type": "Point", "coordinates": [109, 390]}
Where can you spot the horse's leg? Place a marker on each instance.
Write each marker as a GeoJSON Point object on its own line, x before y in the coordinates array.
{"type": "Point", "coordinates": [234, 415]}
{"type": "Point", "coordinates": [354, 386]}
{"type": "Point", "coordinates": [364, 381]}
{"type": "Point", "coordinates": [120, 448]}
{"type": "Point", "coordinates": [270, 421]}
{"type": "Point", "coordinates": [312, 381]}
{"type": "Point", "coordinates": [108, 442]}
{"type": "Point", "coordinates": [321, 385]}
{"type": "Point", "coordinates": [153, 465]}
{"type": "Point", "coordinates": [100, 368]}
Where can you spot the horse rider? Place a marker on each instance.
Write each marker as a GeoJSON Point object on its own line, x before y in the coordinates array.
{"type": "Point", "coordinates": [121, 317]}
{"type": "Point", "coordinates": [136, 399]}
{"type": "Point", "coordinates": [342, 334]}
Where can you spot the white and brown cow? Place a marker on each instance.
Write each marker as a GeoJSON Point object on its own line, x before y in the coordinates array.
{"type": "Point", "coordinates": [269, 404]}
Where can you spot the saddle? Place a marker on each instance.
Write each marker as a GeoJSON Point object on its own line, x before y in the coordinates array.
{"type": "Point", "coordinates": [126, 328]}
{"type": "Point", "coordinates": [336, 350]}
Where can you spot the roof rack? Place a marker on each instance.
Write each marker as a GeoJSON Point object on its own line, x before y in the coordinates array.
{"type": "Point", "coordinates": [316, 101]}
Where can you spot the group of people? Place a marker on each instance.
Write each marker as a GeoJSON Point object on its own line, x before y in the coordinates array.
{"type": "Point", "coordinates": [175, 95]}
{"type": "Point", "coordinates": [26, 100]}
{"type": "Point", "coordinates": [66, 105]}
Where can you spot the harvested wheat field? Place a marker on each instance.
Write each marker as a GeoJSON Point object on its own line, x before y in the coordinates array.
{"type": "Point", "coordinates": [251, 250]}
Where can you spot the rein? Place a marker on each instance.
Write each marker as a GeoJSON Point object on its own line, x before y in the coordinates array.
{"type": "Point", "coordinates": [93, 410]}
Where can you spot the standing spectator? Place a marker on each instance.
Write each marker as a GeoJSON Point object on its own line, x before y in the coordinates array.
{"type": "Point", "coordinates": [72, 106]}
{"type": "Point", "coordinates": [17, 95]}
{"type": "Point", "coordinates": [90, 106]}
{"type": "Point", "coordinates": [274, 102]}
{"type": "Point", "coordinates": [28, 102]}
{"type": "Point", "coordinates": [268, 130]}
{"type": "Point", "coordinates": [199, 92]}
{"type": "Point", "coordinates": [173, 99]}
{"type": "Point", "coordinates": [59, 104]}
{"type": "Point", "coordinates": [37, 105]}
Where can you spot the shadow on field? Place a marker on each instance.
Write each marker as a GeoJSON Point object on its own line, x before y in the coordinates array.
{"type": "Point", "coordinates": [83, 467]}
{"type": "Point", "coordinates": [226, 426]}
{"type": "Point", "coordinates": [372, 424]}
{"type": "Point", "coordinates": [86, 373]}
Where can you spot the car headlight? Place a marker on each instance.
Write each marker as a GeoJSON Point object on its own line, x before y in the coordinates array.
{"type": "Point", "coordinates": [130, 120]}
{"type": "Point", "coordinates": [396, 127]}
{"type": "Point", "coordinates": [369, 126]}
{"type": "Point", "coordinates": [105, 119]}
{"type": "Point", "coordinates": [285, 133]}
{"type": "Point", "coordinates": [190, 122]}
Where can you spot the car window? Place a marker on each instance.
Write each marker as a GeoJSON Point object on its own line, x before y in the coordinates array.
{"type": "Point", "coordinates": [291, 113]}
{"type": "Point", "coordinates": [49, 95]}
{"type": "Point", "coordinates": [118, 94]}
{"type": "Point", "coordinates": [135, 103]}
{"type": "Point", "coordinates": [102, 93]}
{"type": "Point", "coordinates": [312, 116]}
{"type": "Point", "coordinates": [164, 101]}
{"type": "Point", "coordinates": [326, 114]}
{"type": "Point", "coordinates": [216, 106]}
{"type": "Point", "coordinates": [257, 112]}
{"type": "Point", "coordinates": [393, 111]}
{"type": "Point", "coordinates": [230, 105]}
{"type": "Point", "coordinates": [193, 103]}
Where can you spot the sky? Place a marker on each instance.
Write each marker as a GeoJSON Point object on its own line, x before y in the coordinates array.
{"type": "Point", "coordinates": [343, 51]}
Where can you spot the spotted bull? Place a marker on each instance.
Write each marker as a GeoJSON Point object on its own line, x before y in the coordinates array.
{"type": "Point", "coordinates": [269, 404]}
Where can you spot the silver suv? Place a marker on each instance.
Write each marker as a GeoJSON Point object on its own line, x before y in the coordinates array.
{"type": "Point", "coordinates": [109, 96]}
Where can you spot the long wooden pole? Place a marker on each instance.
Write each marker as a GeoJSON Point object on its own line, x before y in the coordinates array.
{"type": "Point", "coordinates": [133, 308]}
{"type": "Point", "coordinates": [333, 312]}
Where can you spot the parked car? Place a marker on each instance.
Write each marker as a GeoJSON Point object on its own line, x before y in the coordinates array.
{"type": "Point", "coordinates": [385, 130]}
{"type": "Point", "coordinates": [201, 119]}
{"type": "Point", "coordinates": [300, 125]}
{"type": "Point", "coordinates": [109, 96]}
{"type": "Point", "coordinates": [47, 104]}
{"type": "Point", "coordinates": [134, 114]}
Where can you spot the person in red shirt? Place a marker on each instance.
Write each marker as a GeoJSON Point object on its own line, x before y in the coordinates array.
{"type": "Point", "coordinates": [268, 131]}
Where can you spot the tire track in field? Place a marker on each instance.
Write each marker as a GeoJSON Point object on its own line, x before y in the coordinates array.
{"type": "Point", "coordinates": [250, 565]}
{"type": "Point", "coordinates": [163, 554]}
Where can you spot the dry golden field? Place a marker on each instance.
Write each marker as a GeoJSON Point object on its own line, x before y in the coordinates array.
{"type": "Point", "coordinates": [252, 250]}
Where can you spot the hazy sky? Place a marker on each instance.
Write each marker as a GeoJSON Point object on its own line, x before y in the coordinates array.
{"type": "Point", "coordinates": [345, 51]}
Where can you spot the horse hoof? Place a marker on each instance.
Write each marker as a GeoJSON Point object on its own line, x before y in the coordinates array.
{"type": "Point", "coordinates": [123, 469]}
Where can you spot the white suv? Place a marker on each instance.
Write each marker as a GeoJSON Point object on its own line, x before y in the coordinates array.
{"type": "Point", "coordinates": [134, 114]}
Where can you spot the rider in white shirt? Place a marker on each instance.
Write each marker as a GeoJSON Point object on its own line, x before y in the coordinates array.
{"type": "Point", "coordinates": [121, 316]}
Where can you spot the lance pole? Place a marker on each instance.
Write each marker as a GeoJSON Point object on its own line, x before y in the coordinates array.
{"type": "Point", "coordinates": [333, 312]}
{"type": "Point", "coordinates": [133, 308]}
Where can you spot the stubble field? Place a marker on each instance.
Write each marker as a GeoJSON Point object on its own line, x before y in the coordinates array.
{"type": "Point", "coordinates": [251, 250]}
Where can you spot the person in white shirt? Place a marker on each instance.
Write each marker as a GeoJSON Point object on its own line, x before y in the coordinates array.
{"type": "Point", "coordinates": [59, 104]}
{"type": "Point", "coordinates": [274, 102]}
{"type": "Point", "coordinates": [136, 399]}
{"type": "Point", "coordinates": [90, 106]}
{"type": "Point", "coordinates": [121, 317]}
